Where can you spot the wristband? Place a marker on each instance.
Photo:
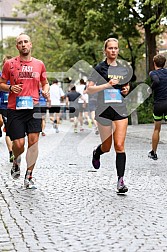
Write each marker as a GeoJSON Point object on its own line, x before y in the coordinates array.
{"type": "Point", "coordinates": [10, 88]}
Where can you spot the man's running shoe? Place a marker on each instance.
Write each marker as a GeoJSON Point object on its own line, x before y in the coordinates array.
{"type": "Point", "coordinates": [29, 183]}
{"type": "Point", "coordinates": [15, 171]}
{"type": "Point", "coordinates": [152, 155]}
{"type": "Point", "coordinates": [11, 157]}
{"type": "Point", "coordinates": [95, 161]}
{"type": "Point", "coordinates": [121, 187]}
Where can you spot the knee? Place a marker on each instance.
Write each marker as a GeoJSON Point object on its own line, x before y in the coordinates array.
{"type": "Point", "coordinates": [19, 146]}
{"type": "Point", "coordinates": [119, 147]}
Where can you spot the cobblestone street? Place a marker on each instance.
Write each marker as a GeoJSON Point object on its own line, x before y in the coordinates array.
{"type": "Point", "coordinates": [75, 208]}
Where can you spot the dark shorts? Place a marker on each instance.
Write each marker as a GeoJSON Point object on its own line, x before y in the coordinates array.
{"type": "Point", "coordinates": [160, 111]}
{"type": "Point", "coordinates": [73, 112]}
{"type": "Point", "coordinates": [44, 110]}
{"type": "Point", "coordinates": [81, 109]}
{"type": "Point", "coordinates": [22, 122]}
{"type": "Point", "coordinates": [54, 109]}
{"type": "Point", "coordinates": [106, 115]}
{"type": "Point", "coordinates": [92, 106]}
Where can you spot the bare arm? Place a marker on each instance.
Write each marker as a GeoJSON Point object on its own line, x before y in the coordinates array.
{"type": "Point", "coordinates": [45, 89]}
{"type": "Point", "coordinates": [9, 88]}
{"type": "Point", "coordinates": [3, 85]}
{"type": "Point", "coordinates": [92, 88]}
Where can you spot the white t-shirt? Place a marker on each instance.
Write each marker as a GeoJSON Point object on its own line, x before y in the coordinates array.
{"type": "Point", "coordinates": [55, 94]}
{"type": "Point", "coordinates": [80, 89]}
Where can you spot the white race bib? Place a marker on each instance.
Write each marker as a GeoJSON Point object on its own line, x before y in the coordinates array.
{"type": "Point", "coordinates": [112, 96]}
{"type": "Point", "coordinates": [24, 102]}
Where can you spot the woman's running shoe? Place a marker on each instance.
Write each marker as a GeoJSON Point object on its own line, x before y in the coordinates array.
{"type": "Point", "coordinates": [95, 161]}
{"type": "Point", "coordinates": [121, 187]}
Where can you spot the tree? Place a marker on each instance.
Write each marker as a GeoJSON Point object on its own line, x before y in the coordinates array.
{"type": "Point", "coordinates": [148, 14]}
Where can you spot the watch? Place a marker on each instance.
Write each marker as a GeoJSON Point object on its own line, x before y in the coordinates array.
{"type": "Point", "coordinates": [10, 88]}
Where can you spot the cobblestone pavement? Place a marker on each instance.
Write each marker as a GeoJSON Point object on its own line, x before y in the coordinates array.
{"type": "Point", "coordinates": [76, 209]}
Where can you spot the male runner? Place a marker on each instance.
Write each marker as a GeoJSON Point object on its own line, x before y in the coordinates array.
{"type": "Point", "coordinates": [25, 74]}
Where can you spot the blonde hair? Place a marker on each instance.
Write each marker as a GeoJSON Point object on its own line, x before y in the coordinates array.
{"type": "Point", "coordinates": [109, 40]}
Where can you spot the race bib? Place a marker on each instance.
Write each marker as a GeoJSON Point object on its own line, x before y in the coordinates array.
{"type": "Point", "coordinates": [24, 102]}
{"type": "Point", "coordinates": [112, 96]}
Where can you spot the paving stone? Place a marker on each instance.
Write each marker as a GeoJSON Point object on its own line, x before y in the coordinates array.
{"type": "Point", "coordinates": [76, 208]}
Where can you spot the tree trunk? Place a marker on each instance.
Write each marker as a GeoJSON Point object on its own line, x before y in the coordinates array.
{"type": "Point", "coordinates": [134, 117]}
{"type": "Point", "coordinates": [150, 43]}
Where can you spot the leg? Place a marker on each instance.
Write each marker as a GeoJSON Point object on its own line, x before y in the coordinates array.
{"type": "Point", "coordinates": [31, 157]}
{"type": "Point", "coordinates": [32, 151]}
{"type": "Point", "coordinates": [9, 146]}
{"type": "Point", "coordinates": [92, 113]}
{"type": "Point", "coordinates": [18, 149]}
{"type": "Point", "coordinates": [1, 123]}
{"type": "Point", "coordinates": [43, 125]}
{"type": "Point", "coordinates": [80, 118]}
{"type": "Point", "coordinates": [155, 136]}
{"type": "Point", "coordinates": [106, 138]}
{"type": "Point", "coordinates": [120, 128]}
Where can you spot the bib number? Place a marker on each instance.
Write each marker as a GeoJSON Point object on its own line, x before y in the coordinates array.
{"type": "Point", "coordinates": [112, 96]}
{"type": "Point", "coordinates": [24, 102]}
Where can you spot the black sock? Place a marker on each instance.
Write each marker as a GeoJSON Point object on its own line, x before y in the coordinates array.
{"type": "Point", "coordinates": [10, 152]}
{"type": "Point", "coordinates": [120, 164]}
{"type": "Point", "coordinates": [28, 173]}
{"type": "Point", "coordinates": [98, 152]}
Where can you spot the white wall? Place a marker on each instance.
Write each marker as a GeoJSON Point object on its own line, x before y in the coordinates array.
{"type": "Point", "coordinates": [10, 29]}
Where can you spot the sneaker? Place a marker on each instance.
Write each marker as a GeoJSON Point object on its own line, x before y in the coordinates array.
{"type": "Point", "coordinates": [29, 183]}
{"type": "Point", "coordinates": [121, 187]}
{"type": "Point", "coordinates": [152, 155]}
{"type": "Point", "coordinates": [75, 130]}
{"type": "Point", "coordinates": [95, 161]}
{"type": "Point", "coordinates": [15, 171]}
{"type": "Point", "coordinates": [11, 157]}
{"type": "Point", "coordinates": [57, 130]}
{"type": "Point", "coordinates": [96, 131]}
{"type": "Point", "coordinates": [90, 124]}
{"type": "Point", "coordinates": [81, 129]}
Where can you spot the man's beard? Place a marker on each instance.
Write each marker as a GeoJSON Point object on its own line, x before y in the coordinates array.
{"type": "Point", "coordinates": [24, 53]}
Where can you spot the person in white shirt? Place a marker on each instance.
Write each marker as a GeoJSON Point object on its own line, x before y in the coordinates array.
{"type": "Point", "coordinates": [83, 108]}
{"type": "Point", "coordinates": [56, 94]}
